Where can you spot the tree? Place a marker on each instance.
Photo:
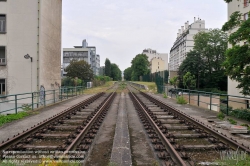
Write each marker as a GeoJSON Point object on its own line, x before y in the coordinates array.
{"type": "Point", "coordinates": [174, 81]}
{"type": "Point", "coordinates": [193, 64]}
{"type": "Point", "coordinates": [128, 74]}
{"type": "Point", "coordinates": [205, 61]}
{"type": "Point", "coordinates": [107, 67]}
{"type": "Point", "coordinates": [80, 69]}
{"type": "Point", "coordinates": [212, 46]}
{"type": "Point", "coordinates": [238, 56]}
{"type": "Point", "coordinates": [140, 66]}
{"type": "Point", "coordinates": [115, 72]}
{"type": "Point", "coordinates": [189, 80]}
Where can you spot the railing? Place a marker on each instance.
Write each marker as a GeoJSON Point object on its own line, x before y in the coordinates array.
{"type": "Point", "coordinates": [10, 104]}
{"type": "Point", "coordinates": [213, 101]}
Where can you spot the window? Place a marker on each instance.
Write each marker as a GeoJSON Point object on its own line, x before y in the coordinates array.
{"type": "Point", "coordinates": [246, 3]}
{"type": "Point", "coordinates": [2, 23]}
{"type": "Point", "coordinates": [245, 16]}
{"type": "Point", "coordinates": [2, 56]}
{"type": "Point", "coordinates": [2, 87]}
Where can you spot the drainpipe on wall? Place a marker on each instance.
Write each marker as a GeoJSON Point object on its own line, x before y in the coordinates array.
{"type": "Point", "coordinates": [38, 33]}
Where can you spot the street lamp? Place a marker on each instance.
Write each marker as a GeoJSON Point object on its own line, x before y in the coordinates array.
{"type": "Point", "coordinates": [27, 56]}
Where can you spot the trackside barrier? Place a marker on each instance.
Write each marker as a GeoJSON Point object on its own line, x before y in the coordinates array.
{"type": "Point", "coordinates": [10, 104]}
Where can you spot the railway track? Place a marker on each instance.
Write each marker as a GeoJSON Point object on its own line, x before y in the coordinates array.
{"type": "Point", "coordinates": [177, 138]}
{"type": "Point", "coordinates": [66, 136]}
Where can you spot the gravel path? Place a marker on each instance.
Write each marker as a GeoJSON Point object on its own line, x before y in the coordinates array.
{"type": "Point", "coordinates": [101, 151]}
{"type": "Point", "coordinates": [141, 148]}
{"type": "Point", "coordinates": [10, 129]}
{"type": "Point", "coordinates": [121, 154]}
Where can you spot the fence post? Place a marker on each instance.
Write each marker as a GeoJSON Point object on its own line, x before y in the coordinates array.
{"type": "Point", "coordinates": [227, 105]}
{"type": "Point", "coordinates": [189, 96]}
{"type": "Point", "coordinates": [16, 103]}
{"type": "Point", "coordinates": [44, 94]}
{"type": "Point", "coordinates": [210, 101]}
{"type": "Point", "coordinates": [32, 101]}
{"type": "Point", "coordinates": [67, 93]}
{"type": "Point", "coordinates": [76, 91]}
{"type": "Point", "coordinates": [54, 96]}
{"type": "Point", "coordinates": [198, 99]}
{"type": "Point", "coordinates": [61, 92]}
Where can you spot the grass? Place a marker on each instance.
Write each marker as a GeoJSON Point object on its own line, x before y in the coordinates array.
{"type": "Point", "coordinates": [220, 115]}
{"type": "Point", "coordinates": [234, 162]}
{"type": "Point", "coordinates": [164, 95]}
{"type": "Point", "coordinates": [99, 88]}
{"type": "Point", "coordinates": [181, 100]}
{"type": "Point", "coordinates": [232, 121]}
{"type": "Point", "coordinates": [9, 118]}
{"type": "Point", "coordinates": [151, 86]}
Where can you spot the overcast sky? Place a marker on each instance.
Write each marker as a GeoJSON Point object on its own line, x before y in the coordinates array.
{"type": "Point", "coordinates": [121, 29]}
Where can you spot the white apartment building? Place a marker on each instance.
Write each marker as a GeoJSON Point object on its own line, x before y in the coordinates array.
{"type": "Point", "coordinates": [31, 28]}
{"type": "Point", "coordinates": [243, 7]}
{"type": "Point", "coordinates": [184, 43]}
{"type": "Point", "coordinates": [84, 52]}
{"type": "Point", "coordinates": [153, 54]}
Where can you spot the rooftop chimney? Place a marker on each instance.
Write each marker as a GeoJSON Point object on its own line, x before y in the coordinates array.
{"type": "Point", "coordinates": [194, 19]}
{"type": "Point", "coordinates": [186, 25]}
{"type": "Point", "coordinates": [179, 31]}
{"type": "Point", "coordinates": [177, 34]}
{"type": "Point", "coordinates": [182, 29]}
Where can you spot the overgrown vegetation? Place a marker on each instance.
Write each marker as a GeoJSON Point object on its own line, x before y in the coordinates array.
{"type": "Point", "coordinates": [238, 113]}
{"type": "Point", "coordinates": [181, 100]}
{"type": "Point", "coordinates": [221, 116]}
{"type": "Point", "coordinates": [9, 118]}
{"type": "Point", "coordinates": [238, 160]}
{"type": "Point", "coordinates": [232, 121]}
{"type": "Point", "coordinates": [164, 95]}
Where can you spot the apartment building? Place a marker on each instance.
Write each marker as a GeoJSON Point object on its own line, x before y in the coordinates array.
{"type": "Point", "coordinates": [184, 43]}
{"type": "Point", "coordinates": [157, 64]}
{"type": "Point", "coordinates": [153, 54]}
{"type": "Point", "coordinates": [83, 52]}
{"type": "Point", "coordinates": [30, 45]}
{"type": "Point", "coordinates": [243, 7]}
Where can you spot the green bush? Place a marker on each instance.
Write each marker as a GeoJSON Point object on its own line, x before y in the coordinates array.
{"type": "Point", "coordinates": [224, 109]}
{"type": "Point", "coordinates": [221, 116]}
{"type": "Point", "coordinates": [181, 100]}
{"type": "Point", "coordinates": [241, 114]}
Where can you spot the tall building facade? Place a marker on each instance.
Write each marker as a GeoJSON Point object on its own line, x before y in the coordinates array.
{"type": "Point", "coordinates": [30, 45]}
{"type": "Point", "coordinates": [153, 54]}
{"type": "Point", "coordinates": [243, 7]}
{"type": "Point", "coordinates": [184, 43]}
{"type": "Point", "coordinates": [83, 52]}
{"type": "Point", "coordinates": [157, 64]}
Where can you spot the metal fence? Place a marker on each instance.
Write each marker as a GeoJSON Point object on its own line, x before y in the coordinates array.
{"type": "Point", "coordinates": [213, 101]}
{"type": "Point", "coordinates": [10, 104]}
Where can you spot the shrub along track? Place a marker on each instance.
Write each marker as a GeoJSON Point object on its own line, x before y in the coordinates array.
{"type": "Point", "coordinates": [67, 135]}
{"type": "Point", "coordinates": [179, 139]}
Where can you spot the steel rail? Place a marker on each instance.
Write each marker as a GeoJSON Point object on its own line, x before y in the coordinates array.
{"type": "Point", "coordinates": [229, 141]}
{"type": "Point", "coordinates": [75, 142]}
{"type": "Point", "coordinates": [33, 129]}
{"type": "Point", "coordinates": [173, 153]}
